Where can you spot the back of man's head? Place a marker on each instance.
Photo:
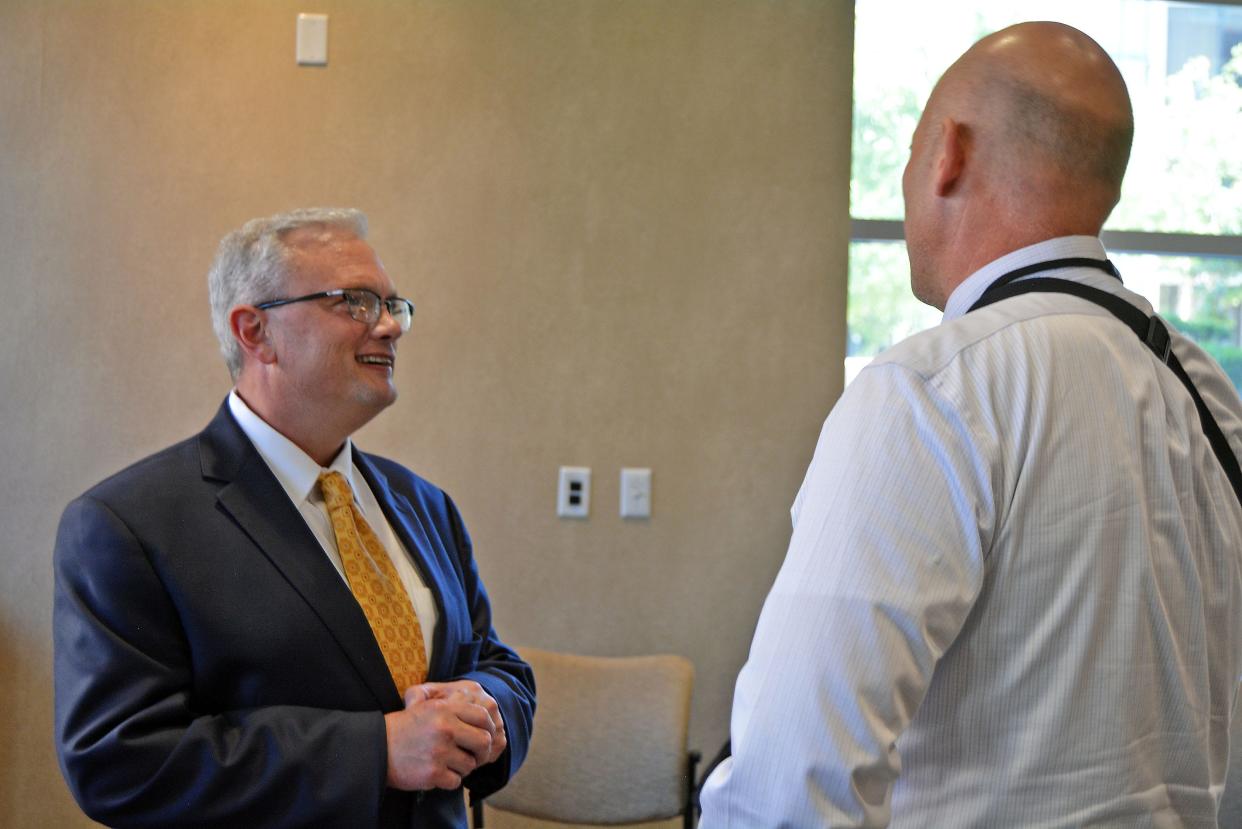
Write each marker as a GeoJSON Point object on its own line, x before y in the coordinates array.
{"type": "Point", "coordinates": [1026, 137]}
{"type": "Point", "coordinates": [1057, 111]}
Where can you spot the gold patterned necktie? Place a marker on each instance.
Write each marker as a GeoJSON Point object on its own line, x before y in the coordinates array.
{"type": "Point", "coordinates": [376, 585]}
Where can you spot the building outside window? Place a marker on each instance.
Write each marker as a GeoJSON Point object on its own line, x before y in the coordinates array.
{"type": "Point", "coordinates": [1176, 235]}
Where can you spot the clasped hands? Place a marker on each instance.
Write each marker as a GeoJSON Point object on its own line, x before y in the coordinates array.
{"type": "Point", "coordinates": [446, 731]}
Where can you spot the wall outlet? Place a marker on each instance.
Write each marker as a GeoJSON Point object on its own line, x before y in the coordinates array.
{"type": "Point", "coordinates": [573, 492]}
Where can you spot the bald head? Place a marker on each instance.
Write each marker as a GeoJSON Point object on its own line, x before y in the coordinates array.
{"type": "Point", "coordinates": [1028, 134]}
{"type": "Point", "coordinates": [1053, 97]}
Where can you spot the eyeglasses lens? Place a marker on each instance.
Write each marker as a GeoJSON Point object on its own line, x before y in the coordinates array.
{"type": "Point", "coordinates": [401, 312]}
{"type": "Point", "coordinates": [364, 306]}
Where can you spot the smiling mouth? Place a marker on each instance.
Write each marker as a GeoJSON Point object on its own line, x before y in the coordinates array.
{"type": "Point", "coordinates": [376, 360]}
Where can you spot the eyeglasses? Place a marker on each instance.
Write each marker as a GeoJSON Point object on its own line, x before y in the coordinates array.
{"type": "Point", "coordinates": [363, 304]}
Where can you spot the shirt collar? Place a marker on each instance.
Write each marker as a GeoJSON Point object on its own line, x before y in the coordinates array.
{"type": "Point", "coordinates": [969, 291]}
{"type": "Point", "coordinates": [297, 471]}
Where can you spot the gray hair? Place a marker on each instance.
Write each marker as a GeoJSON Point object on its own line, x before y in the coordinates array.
{"type": "Point", "coordinates": [251, 265]}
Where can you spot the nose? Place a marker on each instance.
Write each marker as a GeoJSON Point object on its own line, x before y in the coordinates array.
{"type": "Point", "coordinates": [386, 327]}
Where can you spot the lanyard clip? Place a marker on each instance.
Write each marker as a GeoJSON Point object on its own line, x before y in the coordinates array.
{"type": "Point", "coordinates": [1157, 339]}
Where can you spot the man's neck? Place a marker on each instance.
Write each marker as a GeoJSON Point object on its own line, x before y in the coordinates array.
{"type": "Point", "coordinates": [965, 257]}
{"type": "Point", "coordinates": [971, 288]}
{"type": "Point", "coordinates": [313, 435]}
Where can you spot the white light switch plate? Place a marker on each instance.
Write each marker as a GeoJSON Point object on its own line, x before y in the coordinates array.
{"type": "Point", "coordinates": [312, 47]}
{"type": "Point", "coordinates": [635, 493]}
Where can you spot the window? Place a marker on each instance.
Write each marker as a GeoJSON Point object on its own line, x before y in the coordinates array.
{"type": "Point", "coordinates": [1176, 236]}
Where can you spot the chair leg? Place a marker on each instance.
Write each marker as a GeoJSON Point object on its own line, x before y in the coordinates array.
{"type": "Point", "coordinates": [476, 811]}
{"type": "Point", "coordinates": [690, 816]}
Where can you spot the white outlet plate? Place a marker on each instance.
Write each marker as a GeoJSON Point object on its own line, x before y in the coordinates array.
{"type": "Point", "coordinates": [635, 493]}
{"type": "Point", "coordinates": [573, 492]}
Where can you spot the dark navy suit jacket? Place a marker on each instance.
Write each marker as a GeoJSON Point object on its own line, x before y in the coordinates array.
{"type": "Point", "coordinates": [213, 669]}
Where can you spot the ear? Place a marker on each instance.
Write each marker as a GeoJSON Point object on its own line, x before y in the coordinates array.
{"type": "Point", "coordinates": [951, 160]}
{"type": "Point", "coordinates": [249, 327]}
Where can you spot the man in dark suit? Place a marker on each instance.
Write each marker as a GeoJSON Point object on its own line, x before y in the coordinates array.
{"type": "Point", "coordinates": [238, 641]}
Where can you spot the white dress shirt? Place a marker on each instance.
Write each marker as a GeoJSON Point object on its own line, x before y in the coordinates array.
{"type": "Point", "coordinates": [298, 473]}
{"type": "Point", "coordinates": [1013, 593]}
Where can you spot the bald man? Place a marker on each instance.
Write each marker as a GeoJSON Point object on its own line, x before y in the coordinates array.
{"type": "Point", "coordinates": [1013, 594]}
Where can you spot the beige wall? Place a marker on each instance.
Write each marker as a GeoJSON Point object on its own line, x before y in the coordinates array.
{"type": "Point", "coordinates": [624, 224]}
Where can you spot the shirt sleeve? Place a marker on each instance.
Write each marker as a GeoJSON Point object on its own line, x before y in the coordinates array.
{"type": "Point", "coordinates": [891, 528]}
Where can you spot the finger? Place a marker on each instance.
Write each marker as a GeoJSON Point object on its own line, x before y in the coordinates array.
{"type": "Point", "coordinates": [477, 741]}
{"type": "Point", "coordinates": [470, 714]}
{"type": "Point", "coordinates": [499, 743]}
{"type": "Point", "coordinates": [489, 707]}
{"type": "Point", "coordinates": [447, 689]}
{"type": "Point", "coordinates": [416, 694]}
{"type": "Point", "coordinates": [446, 779]}
{"type": "Point", "coordinates": [484, 699]}
{"type": "Point", "coordinates": [460, 762]}
{"type": "Point", "coordinates": [474, 692]}
{"type": "Point", "coordinates": [468, 690]}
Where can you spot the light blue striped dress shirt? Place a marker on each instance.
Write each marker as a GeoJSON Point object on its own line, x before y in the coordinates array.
{"type": "Point", "coordinates": [1013, 594]}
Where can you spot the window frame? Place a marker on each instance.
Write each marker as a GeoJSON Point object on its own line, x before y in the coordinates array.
{"type": "Point", "coordinates": [1122, 241]}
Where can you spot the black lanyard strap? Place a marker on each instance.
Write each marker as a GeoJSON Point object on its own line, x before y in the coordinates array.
{"type": "Point", "coordinates": [1148, 329]}
{"type": "Point", "coordinates": [1051, 265]}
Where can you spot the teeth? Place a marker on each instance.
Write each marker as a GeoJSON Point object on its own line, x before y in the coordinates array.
{"type": "Point", "coordinates": [380, 361]}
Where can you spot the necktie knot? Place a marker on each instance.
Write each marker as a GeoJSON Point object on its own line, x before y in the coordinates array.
{"type": "Point", "coordinates": [336, 491]}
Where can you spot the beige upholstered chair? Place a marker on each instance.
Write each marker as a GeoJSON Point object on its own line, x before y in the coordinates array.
{"type": "Point", "coordinates": [609, 745]}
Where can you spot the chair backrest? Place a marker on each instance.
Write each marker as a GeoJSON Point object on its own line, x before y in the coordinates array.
{"type": "Point", "coordinates": [610, 737]}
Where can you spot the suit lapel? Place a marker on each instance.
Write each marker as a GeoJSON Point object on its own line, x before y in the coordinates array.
{"type": "Point", "coordinates": [406, 522]}
{"type": "Point", "coordinates": [252, 495]}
